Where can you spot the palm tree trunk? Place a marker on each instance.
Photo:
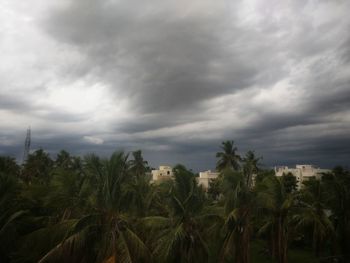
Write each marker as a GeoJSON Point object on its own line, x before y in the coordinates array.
{"type": "Point", "coordinates": [243, 242]}
{"type": "Point", "coordinates": [272, 243]}
{"type": "Point", "coordinates": [316, 241]}
{"type": "Point", "coordinates": [282, 242]}
{"type": "Point", "coordinates": [317, 247]}
{"type": "Point", "coordinates": [247, 245]}
{"type": "Point", "coordinates": [242, 248]}
{"type": "Point", "coordinates": [279, 241]}
{"type": "Point", "coordinates": [285, 258]}
{"type": "Point", "coordinates": [285, 243]}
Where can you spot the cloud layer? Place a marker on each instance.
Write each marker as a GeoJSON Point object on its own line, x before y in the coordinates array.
{"type": "Point", "coordinates": [176, 78]}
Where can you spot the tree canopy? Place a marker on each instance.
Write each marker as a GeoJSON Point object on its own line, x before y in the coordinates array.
{"type": "Point", "coordinates": [96, 209]}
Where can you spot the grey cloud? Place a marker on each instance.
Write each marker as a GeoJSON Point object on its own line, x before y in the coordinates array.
{"type": "Point", "coordinates": [11, 102]}
{"type": "Point", "coordinates": [166, 60]}
{"type": "Point", "coordinates": [192, 73]}
{"type": "Point", "coordinates": [155, 121]}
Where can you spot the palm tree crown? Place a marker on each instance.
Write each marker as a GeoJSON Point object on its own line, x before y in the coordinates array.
{"type": "Point", "coordinates": [228, 158]}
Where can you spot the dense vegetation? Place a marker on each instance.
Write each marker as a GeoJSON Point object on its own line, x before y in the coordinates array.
{"type": "Point", "coordinates": [93, 209]}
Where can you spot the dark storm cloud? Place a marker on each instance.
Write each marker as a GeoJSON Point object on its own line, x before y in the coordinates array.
{"type": "Point", "coordinates": [175, 78]}
{"type": "Point", "coordinates": [162, 59]}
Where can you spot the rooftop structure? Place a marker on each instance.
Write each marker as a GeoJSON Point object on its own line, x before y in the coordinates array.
{"type": "Point", "coordinates": [163, 173]}
{"type": "Point", "coordinates": [302, 172]}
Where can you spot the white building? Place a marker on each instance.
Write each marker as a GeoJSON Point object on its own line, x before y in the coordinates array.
{"type": "Point", "coordinates": [302, 172]}
{"type": "Point", "coordinates": [164, 173]}
{"type": "Point", "coordinates": [205, 177]}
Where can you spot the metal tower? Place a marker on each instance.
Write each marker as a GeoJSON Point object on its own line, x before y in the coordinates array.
{"type": "Point", "coordinates": [26, 145]}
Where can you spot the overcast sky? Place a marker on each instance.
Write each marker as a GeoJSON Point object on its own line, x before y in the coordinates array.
{"type": "Point", "coordinates": [175, 78]}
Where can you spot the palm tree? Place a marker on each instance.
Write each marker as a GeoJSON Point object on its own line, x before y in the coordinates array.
{"type": "Point", "coordinates": [337, 185]}
{"type": "Point", "coordinates": [69, 193]}
{"type": "Point", "coordinates": [214, 189]}
{"type": "Point", "coordinates": [313, 214]}
{"type": "Point", "coordinates": [178, 236]}
{"type": "Point", "coordinates": [138, 165]}
{"type": "Point", "coordinates": [275, 205]}
{"type": "Point", "coordinates": [140, 194]}
{"type": "Point", "coordinates": [63, 160]}
{"type": "Point", "coordinates": [9, 166]}
{"type": "Point", "coordinates": [250, 167]}
{"type": "Point", "coordinates": [10, 213]}
{"type": "Point", "coordinates": [38, 167]}
{"type": "Point", "coordinates": [290, 182]}
{"type": "Point", "coordinates": [238, 207]}
{"type": "Point", "coordinates": [228, 158]}
{"type": "Point", "coordinates": [105, 233]}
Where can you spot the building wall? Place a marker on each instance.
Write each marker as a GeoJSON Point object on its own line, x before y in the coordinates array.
{"type": "Point", "coordinates": [302, 172]}
{"type": "Point", "coordinates": [205, 177]}
{"type": "Point", "coordinates": [163, 173]}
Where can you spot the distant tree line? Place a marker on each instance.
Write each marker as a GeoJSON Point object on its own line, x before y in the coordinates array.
{"type": "Point", "coordinates": [93, 209]}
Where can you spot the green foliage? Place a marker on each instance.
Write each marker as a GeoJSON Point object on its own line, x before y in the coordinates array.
{"type": "Point", "coordinates": [239, 201]}
{"type": "Point", "coordinates": [11, 212]}
{"type": "Point", "coordinates": [98, 210]}
{"type": "Point", "coordinates": [179, 237]}
{"type": "Point", "coordinates": [8, 166]}
{"type": "Point", "coordinates": [138, 165]}
{"type": "Point", "coordinates": [67, 162]}
{"type": "Point", "coordinates": [262, 174]}
{"type": "Point", "coordinates": [289, 182]}
{"type": "Point", "coordinates": [275, 204]}
{"type": "Point", "coordinates": [214, 190]}
{"type": "Point", "coordinates": [312, 217]}
{"type": "Point", "coordinates": [69, 193]}
{"type": "Point", "coordinates": [228, 158]}
{"type": "Point", "coordinates": [250, 167]}
{"type": "Point", "coordinates": [337, 185]}
{"type": "Point", "coordinates": [37, 167]}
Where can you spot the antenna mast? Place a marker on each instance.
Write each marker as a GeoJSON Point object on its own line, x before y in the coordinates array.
{"type": "Point", "coordinates": [26, 145]}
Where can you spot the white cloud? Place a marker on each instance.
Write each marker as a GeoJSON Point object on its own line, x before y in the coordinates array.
{"type": "Point", "coordinates": [93, 140]}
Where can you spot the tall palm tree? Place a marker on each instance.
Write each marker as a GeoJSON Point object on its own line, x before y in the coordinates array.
{"type": "Point", "coordinates": [238, 225]}
{"type": "Point", "coordinates": [275, 205]}
{"type": "Point", "coordinates": [250, 167]}
{"type": "Point", "coordinates": [138, 165]}
{"type": "Point", "coordinates": [178, 236]}
{"type": "Point", "coordinates": [69, 193]}
{"type": "Point", "coordinates": [38, 167]}
{"type": "Point", "coordinates": [228, 158]}
{"type": "Point", "coordinates": [105, 233]}
{"type": "Point", "coordinates": [337, 185]}
{"type": "Point", "coordinates": [63, 160]}
{"type": "Point", "coordinates": [9, 166]}
{"type": "Point", "coordinates": [313, 214]}
{"type": "Point", "coordinates": [140, 194]}
{"type": "Point", "coordinates": [10, 213]}
{"type": "Point", "coordinates": [68, 162]}
{"type": "Point", "coordinates": [290, 182]}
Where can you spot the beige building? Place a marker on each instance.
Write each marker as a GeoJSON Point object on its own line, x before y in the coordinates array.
{"type": "Point", "coordinates": [163, 173]}
{"type": "Point", "coordinates": [302, 172]}
{"type": "Point", "coordinates": [205, 177]}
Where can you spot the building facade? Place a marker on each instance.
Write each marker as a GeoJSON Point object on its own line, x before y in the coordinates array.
{"type": "Point", "coordinates": [302, 172]}
{"type": "Point", "coordinates": [205, 177]}
{"type": "Point", "coordinates": [163, 173]}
